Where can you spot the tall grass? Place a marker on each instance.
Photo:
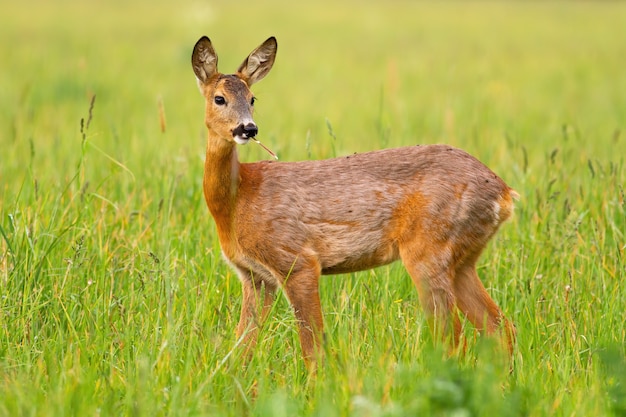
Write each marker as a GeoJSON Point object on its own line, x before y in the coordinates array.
{"type": "Point", "coordinates": [114, 299]}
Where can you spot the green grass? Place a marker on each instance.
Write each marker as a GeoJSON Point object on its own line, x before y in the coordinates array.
{"type": "Point", "coordinates": [114, 299]}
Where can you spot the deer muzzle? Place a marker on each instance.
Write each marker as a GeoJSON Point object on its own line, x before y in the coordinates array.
{"type": "Point", "coordinates": [244, 132]}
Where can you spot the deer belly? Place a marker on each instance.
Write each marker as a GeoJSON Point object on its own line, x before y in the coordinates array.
{"type": "Point", "coordinates": [344, 249]}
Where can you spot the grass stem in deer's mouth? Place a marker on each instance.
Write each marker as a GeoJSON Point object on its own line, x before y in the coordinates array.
{"type": "Point", "coordinates": [266, 148]}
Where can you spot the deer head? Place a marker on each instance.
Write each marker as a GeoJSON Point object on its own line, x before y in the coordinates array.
{"type": "Point", "coordinates": [229, 101]}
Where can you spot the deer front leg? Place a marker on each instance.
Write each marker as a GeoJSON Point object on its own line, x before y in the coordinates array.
{"type": "Point", "coordinates": [257, 300]}
{"type": "Point", "coordinates": [303, 293]}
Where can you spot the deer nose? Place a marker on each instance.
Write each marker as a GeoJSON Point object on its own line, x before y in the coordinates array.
{"type": "Point", "coordinates": [250, 130]}
{"type": "Point", "coordinates": [244, 132]}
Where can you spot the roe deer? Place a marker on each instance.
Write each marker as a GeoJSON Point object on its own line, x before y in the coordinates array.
{"type": "Point", "coordinates": [283, 224]}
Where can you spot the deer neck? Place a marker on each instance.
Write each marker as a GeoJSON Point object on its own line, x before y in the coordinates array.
{"type": "Point", "coordinates": [221, 183]}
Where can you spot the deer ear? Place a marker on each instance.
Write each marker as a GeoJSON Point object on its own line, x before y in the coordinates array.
{"type": "Point", "coordinates": [204, 60]}
{"type": "Point", "coordinates": [259, 62]}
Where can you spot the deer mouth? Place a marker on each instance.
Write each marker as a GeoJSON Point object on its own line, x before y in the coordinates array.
{"type": "Point", "coordinates": [244, 132]}
{"type": "Point", "coordinates": [241, 140]}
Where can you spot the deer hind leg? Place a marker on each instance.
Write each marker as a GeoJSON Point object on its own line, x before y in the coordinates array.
{"type": "Point", "coordinates": [302, 290]}
{"type": "Point", "coordinates": [257, 299]}
{"type": "Point", "coordinates": [480, 309]}
{"type": "Point", "coordinates": [433, 278]}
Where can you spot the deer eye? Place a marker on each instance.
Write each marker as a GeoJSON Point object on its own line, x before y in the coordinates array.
{"type": "Point", "coordinates": [252, 101]}
{"type": "Point", "coordinates": [219, 100]}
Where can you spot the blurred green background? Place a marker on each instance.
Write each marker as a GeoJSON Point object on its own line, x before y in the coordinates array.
{"type": "Point", "coordinates": [466, 73]}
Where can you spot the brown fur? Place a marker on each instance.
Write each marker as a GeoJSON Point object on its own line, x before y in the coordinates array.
{"type": "Point", "coordinates": [285, 224]}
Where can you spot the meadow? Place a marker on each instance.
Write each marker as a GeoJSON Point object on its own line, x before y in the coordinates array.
{"type": "Point", "coordinates": [114, 298]}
